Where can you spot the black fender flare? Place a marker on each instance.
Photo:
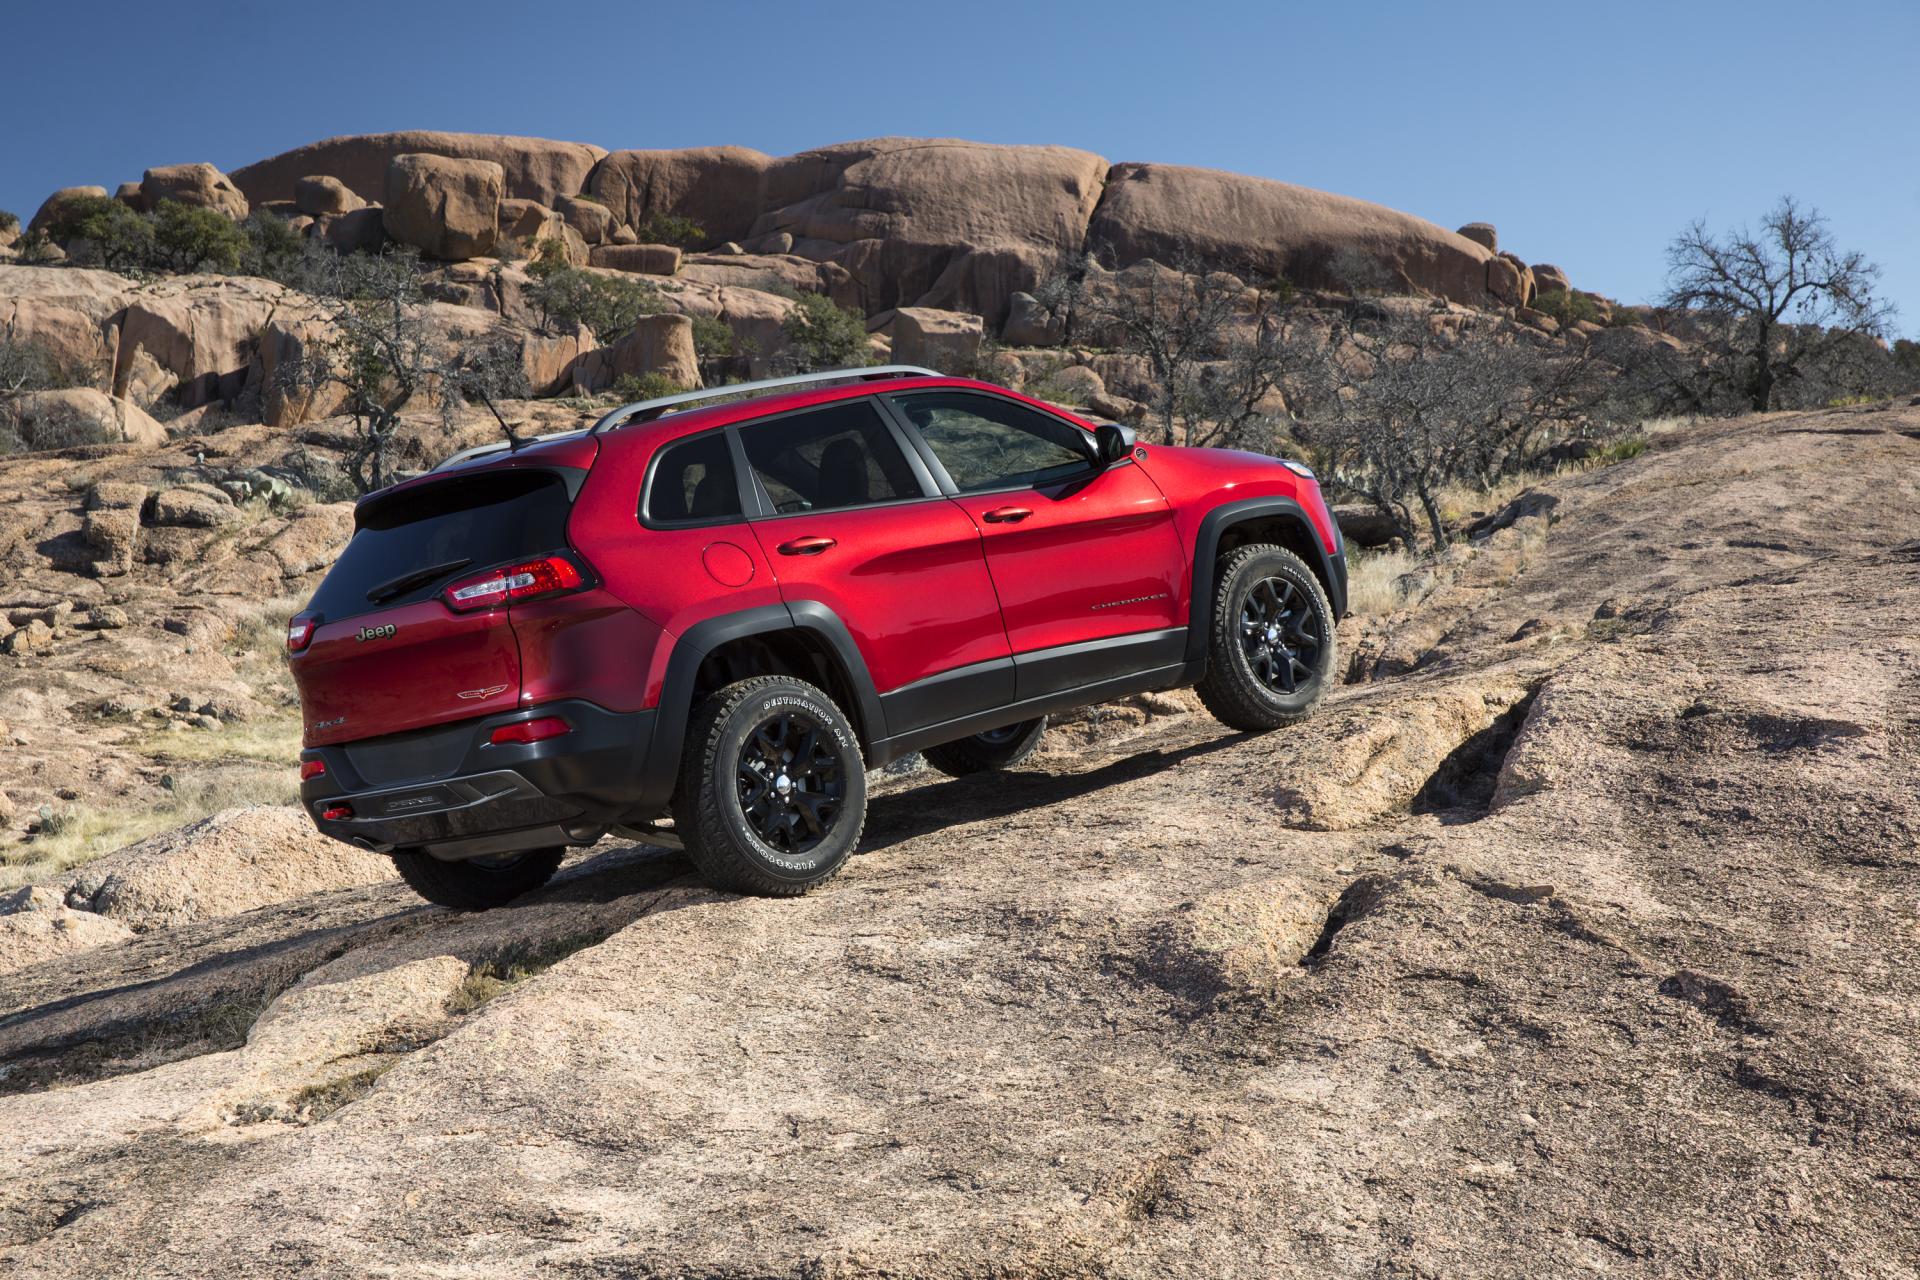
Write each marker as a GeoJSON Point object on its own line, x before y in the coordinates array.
{"type": "Point", "coordinates": [1332, 568]}
{"type": "Point", "coordinates": [675, 708]}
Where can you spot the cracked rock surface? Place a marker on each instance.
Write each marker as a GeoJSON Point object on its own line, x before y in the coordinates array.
{"type": "Point", "coordinates": [1577, 938]}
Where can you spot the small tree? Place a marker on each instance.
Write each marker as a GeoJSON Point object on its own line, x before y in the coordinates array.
{"type": "Point", "coordinates": [1771, 305]}
{"type": "Point", "coordinates": [119, 238]}
{"type": "Point", "coordinates": [377, 351]}
{"type": "Point", "coordinates": [821, 335]}
{"type": "Point", "coordinates": [1399, 404]}
{"type": "Point", "coordinates": [606, 302]}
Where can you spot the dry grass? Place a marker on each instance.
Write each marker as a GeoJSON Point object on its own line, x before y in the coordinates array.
{"type": "Point", "coordinates": [78, 834]}
{"type": "Point", "coordinates": [274, 741]}
{"type": "Point", "coordinates": [490, 978]}
{"type": "Point", "coordinates": [1378, 581]}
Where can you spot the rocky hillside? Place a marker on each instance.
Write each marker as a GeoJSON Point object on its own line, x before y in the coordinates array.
{"type": "Point", "coordinates": [1571, 937]}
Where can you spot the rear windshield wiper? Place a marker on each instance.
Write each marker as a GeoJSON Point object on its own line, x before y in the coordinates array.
{"type": "Point", "coordinates": [416, 578]}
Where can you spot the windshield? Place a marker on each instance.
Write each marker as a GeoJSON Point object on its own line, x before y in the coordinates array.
{"type": "Point", "coordinates": [407, 547]}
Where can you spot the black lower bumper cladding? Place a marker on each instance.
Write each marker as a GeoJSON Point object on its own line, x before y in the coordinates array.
{"type": "Point", "coordinates": [450, 791]}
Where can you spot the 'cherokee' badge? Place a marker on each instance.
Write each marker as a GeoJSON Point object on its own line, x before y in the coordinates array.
{"type": "Point", "coordinates": [374, 633]}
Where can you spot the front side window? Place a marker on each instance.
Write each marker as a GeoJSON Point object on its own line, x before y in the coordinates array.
{"type": "Point", "coordinates": [693, 483]}
{"type": "Point", "coordinates": [987, 443]}
{"type": "Point", "coordinates": [827, 459]}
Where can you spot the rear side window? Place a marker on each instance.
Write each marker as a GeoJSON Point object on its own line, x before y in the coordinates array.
{"type": "Point", "coordinates": [693, 483]}
{"type": "Point", "coordinates": [406, 547]}
{"type": "Point", "coordinates": [839, 456]}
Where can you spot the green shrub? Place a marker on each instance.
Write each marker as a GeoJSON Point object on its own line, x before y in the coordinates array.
{"type": "Point", "coordinates": [606, 303]}
{"type": "Point", "coordinates": [274, 249]}
{"type": "Point", "coordinates": [821, 335]}
{"type": "Point", "coordinates": [9, 221]}
{"type": "Point", "coordinates": [548, 256]}
{"type": "Point", "coordinates": [1566, 306]}
{"type": "Point", "coordinates": [670, 228]}
{"type": "Point", "coordinates": [121, 239]}
{"type": "Point", "coordinates": [645, 386]}
{"type": "Point", "coordinates": [189, 238]}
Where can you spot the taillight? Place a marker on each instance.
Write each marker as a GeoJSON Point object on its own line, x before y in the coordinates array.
{"type": "Point", "coordinates": [310, 769]}
{"type": "Point", "coordinates": [300, 632]}
{"type": "Point", "coordinates": [530, 731]}
{"type": "Point", "coordinates": [336, 812]}
{"type": "Point", "coordinates": [528, 580]}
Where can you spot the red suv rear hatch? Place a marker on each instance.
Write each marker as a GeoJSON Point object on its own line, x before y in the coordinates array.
{"type": "Point", "coordinates": [410, 627]}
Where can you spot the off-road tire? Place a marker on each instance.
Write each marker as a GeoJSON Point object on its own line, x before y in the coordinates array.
{"type": "Point", "coordinates": [476, 886]}
{"type": "Point", "coordinates": [985, 752]}
{"type": "Point", "coordinates": [711, 813]}
{"type": "Point", "coordinates": [1232, 689]}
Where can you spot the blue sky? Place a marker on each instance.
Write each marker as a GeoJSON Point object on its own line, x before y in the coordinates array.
{"type": "Point", "coordinates": [1589, 134]}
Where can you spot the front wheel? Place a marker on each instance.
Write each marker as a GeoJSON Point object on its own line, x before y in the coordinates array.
{"type": "Point", "coordinates": [478, 884]}
{"type": "Point", "coordinates": [1270, 649]}
{"type": "Point", "coordinates": [982, 752]}
{"type": "Point", "coordinates": [773, 790]}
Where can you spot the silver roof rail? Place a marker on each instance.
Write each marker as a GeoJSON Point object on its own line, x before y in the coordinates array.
{"type": "Point", "coordinates": [647, 410]}
{"type": "Point", "coordinates": [650, 409]}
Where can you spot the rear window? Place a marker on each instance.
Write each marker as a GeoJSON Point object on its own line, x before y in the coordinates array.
{"type": "Point", "coordinates": [473, 522]}
{"type": "Point", "coordinates": [693, 483]}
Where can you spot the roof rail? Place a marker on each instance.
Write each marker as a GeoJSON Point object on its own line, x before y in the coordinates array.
{"type": "Point", "coordinates": [647, 410]}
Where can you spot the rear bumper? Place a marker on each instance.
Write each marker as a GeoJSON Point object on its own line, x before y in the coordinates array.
{"type": "Point", "coordinates": [448, 791]}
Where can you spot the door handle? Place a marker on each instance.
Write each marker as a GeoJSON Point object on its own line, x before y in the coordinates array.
{"type": "Point", "coordinates": [808, 546]}
{"type": "Point", "coordinates": [1007, 515]}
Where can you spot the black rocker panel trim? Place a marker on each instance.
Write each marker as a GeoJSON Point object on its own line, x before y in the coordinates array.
{"type": "Point", "coordinates": [977, 698]}
{"type": "Point", "coordinates": [902, 744]}
{"type": "Point", "coordinates": [1332, 568]}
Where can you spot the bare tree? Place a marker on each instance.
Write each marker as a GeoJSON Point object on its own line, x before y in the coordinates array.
{"type": "Point", "coordinates": [377, 350]}
{"type": "Point", "coordinates": [1773, 306]}
{"type": "Point", "coordinates": [1399, 403]}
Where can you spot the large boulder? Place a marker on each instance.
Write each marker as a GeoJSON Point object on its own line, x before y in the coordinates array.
{"type": "Point", "coordinates": [54, 205]}
{"type": "Point", "coordinates": [1547, 278]}
{"type": "Point", "coordinates": [721, 188]}
{"type": "Point", "coordinates": [447, 209]}
{"type": "Point", "coordinates": [72, 312]}
{"type": "Point", "coordinates": [1257, 226]}
{"type": "Point", "coordinates": [532, 168]}
{"type": "Point", "coordinates": [524, 223]}
{"type": "Point", "coordinates": [1482, 233]}
{"type": "Point", "coordinates": [200, 185]}
{"type": "Point", "coordinates": [766, 271]}
{"type": "Point", "coordinates": [1030, 324]}
{"type": "Point", "coordinates": [43, 418]}
{"type": "Point", "coordinates": [320, 195]}
{"type": "Point", "coordinates": [593, 220]}
{"type": "Point", "coordinates": [937, 223]}
{"type": "Point", "coordinates": [660, 344]}
{"type": "Point", "coordinates": [203, 332]}
{"type": "Point", "coordinates": [640, 259]}
{"type": "Point", "coordinates": [946, 341]}
{"type": "Point", "coordinates": [363, 230]}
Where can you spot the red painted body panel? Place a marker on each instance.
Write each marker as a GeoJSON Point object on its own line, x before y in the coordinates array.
{"type": "Point", "coordinates": [909, 580]}
{"type": "Point", "coordinates": [590, 645]}
{"type": "Point", "coordinates": [1198, 480]}
{"type": "Point", "coordinates": [436, 666]}
{"type": "Point", "coordinates": [1094, 559]}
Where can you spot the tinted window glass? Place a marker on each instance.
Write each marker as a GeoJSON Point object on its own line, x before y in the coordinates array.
{"type": "Point", "coordinates": [477, 520]}
{"type": "Point", "coordinates": [985, 442]}
{"type": "Point", "coordinates": [694, 482]}
{"type": "Point", "coordinates": [839, 456]}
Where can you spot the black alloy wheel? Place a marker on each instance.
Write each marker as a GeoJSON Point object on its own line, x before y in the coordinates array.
{"type": "Point", "coordinates": [792, 781]}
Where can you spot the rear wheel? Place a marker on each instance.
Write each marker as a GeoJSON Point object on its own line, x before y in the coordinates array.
{"type": "Point", "coordinates": [1270, 648]}
{"type": "Point", "coordinates": [773, 790]}
{"type": "Point", "coordinates": [994, 749]}
{"type": "Point", "coordinates": [477, 884]}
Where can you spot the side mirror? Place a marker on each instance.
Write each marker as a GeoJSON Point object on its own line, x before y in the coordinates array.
{"type": "Point", "coordinates": [1111, 443]}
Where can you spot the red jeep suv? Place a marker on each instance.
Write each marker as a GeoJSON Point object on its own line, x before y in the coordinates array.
{"type": "Point", "coordinates": [700, 621]}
